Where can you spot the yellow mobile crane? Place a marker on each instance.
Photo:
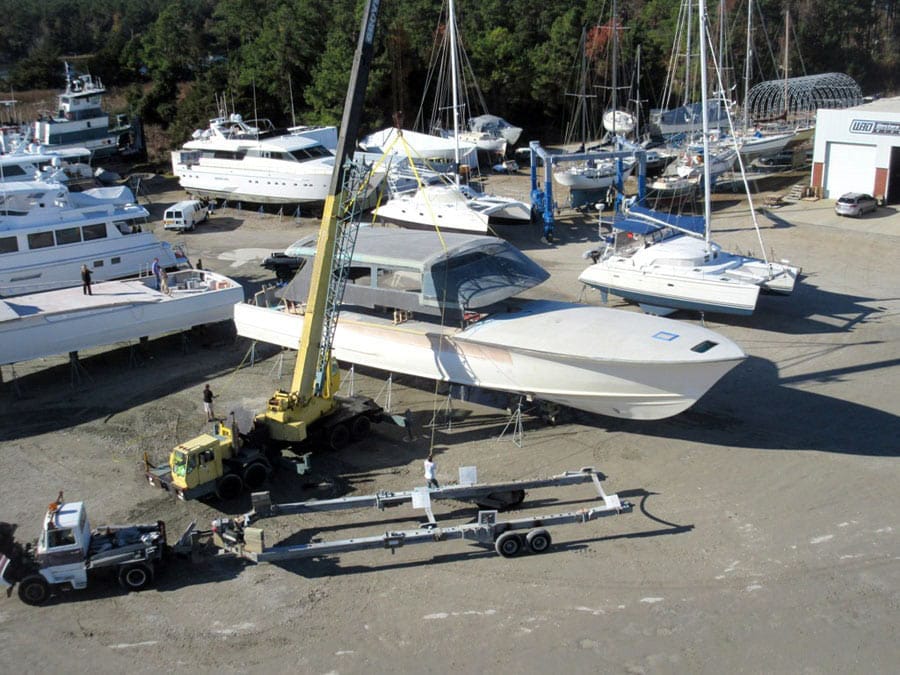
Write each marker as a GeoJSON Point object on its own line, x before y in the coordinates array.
{"type": "Point", "coordinates": [224, 462]}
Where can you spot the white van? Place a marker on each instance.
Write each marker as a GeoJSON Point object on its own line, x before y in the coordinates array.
{"type": "Point", "coordinates": [185, 215]}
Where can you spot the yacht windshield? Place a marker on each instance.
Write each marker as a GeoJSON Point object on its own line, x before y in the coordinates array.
{"type": "Point", "coordinates": [312, 152]}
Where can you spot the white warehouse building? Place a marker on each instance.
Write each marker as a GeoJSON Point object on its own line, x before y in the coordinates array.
{"type": "Point", "coordinates": [858, 150]}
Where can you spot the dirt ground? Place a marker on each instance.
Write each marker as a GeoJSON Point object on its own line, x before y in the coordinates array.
{"type": "Point", "coordinates": [763, 540]}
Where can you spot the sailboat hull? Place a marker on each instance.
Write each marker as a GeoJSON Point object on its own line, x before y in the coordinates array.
{"type": "Point", "coordinates": [604, 361]}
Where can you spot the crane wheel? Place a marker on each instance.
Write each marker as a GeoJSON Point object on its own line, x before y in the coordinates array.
{"type": "Point", "coordinates": [229, 486]}
{"type": "Point", "coordinates": [135, 577]}
{"type": "Point", "coordinates": [360, 428]}
{"type": "Point", "coordinates": [338, 437]}
{"type": "Point", "coordinates": [34, 590]}
{"type": "Point", "coordinates": [255, 475]}
{"type": "Point", "coordinates": [538, 540]}
{"type": "Point", "coordinates": [508, 544]}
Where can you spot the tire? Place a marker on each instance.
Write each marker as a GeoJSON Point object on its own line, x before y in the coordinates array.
{"type": "Point", "coordinates": [338, 437]}
{"type": "Point", "coordinates": [255, 475]}
{"type": "Point", "coordinates": [508, 544]}
{"type": "Point", "coordinates": [135, 577]}
{"type": "Point", "coordinates": [229, 487]}
{"type": "Point", "coordinates": [34, 590]}
{"type": "Point", "coordinates": [361, 428]}
{"type": "Point", "coordinates": [538, 540]}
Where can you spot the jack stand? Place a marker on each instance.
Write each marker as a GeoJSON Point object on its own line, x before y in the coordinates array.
{"type": "Point", "coordinates": [14, 381]}
{"type": "Point", "coordinates": [703, 319]}
{"type": "Point", "coordinates": [251, 354]}
{"type": "Point", "coordinates": [388, 390]}
{"type": "Point", "coordinates": [278, 365]}
{"type": "Point", "coordinates": [185, 343]}
{"type": "Point", "coordinates": [515, 420]}
{"type": "Point", "coordinates": [76, 370]}
{"type": "Point", "coordinates": [350, 381]}
{"type": "Point", "coordinates": [447, 407]}
{"type": "Point", "coordinates": [134, 356]}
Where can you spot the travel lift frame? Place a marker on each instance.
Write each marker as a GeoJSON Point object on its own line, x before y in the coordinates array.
{"type": "Point", "coordinates": [542, 200]}
{"type": "Point", "coordinates": [236, 537]}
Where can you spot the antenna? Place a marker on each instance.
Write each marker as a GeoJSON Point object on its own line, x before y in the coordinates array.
{"type": "Point", "coordinates": [291, 94]}
{"type": "Point", "coordinates": [255, 114]}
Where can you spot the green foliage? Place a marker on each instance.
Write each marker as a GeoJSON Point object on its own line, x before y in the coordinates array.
{"type": "Point", "coordinates": [276, 56]}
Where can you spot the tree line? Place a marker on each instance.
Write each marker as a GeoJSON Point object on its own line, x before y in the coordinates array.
{"type": "Point", "coordinates": [290, 59]}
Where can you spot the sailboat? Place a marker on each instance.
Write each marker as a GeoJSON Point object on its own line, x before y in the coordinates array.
{"type": "Point", "coordinates": [666, 262]}
{"type": "Point", "coordinates": [593, 174]}
{"type": "Point", "coordinates": [447, 205]}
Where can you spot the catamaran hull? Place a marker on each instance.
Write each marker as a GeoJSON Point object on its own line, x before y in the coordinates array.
{"type": "Point", "coordinates": [515, 354]}
{"type": "Point", "coordinates": [59, 322]}
{"type": "Point", "coordinates": [657, 291]}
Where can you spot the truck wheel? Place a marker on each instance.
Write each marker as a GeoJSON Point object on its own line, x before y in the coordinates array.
{"type": "Point", "coordinates": [135, 577]}
{"type": "Point", "coordinates": [360, 428]}
{"type": "Point", "coordinates": [339, 437]}
{"type": "Point", "coordinates": [255, 475]}
{"type": "Point", "coordinates": [229, 486]}
{"type": "Point", "coordinates": [538, 540]}
{"type": "Point", "coordinates": [34, 590]}
{"type": "Point", "coordinates": [508, 544]}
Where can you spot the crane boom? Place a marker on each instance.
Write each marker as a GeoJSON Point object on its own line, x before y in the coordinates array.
{"type": "Point", "coordinates": [314, 353]}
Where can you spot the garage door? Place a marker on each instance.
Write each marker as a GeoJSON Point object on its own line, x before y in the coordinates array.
{"type": "Point", "coordinates": [850, 168]}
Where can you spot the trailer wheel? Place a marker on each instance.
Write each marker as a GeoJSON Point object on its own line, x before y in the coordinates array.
{"type": "Point", "coordinates": [135, 577]}
{"type": "Point", "coordinates": [338, 437]}
{"type": "Point", "coordinates": [538, 540]}
{"type": "Point", "coordinates": [508, 544]}
{"type": "Point", "coordinates": [255, 475]}
{"type": "Point", "coordinates": [229, 486]}
{"type": "Point", "coordinates": [34, 590]}
{"type": "Point", "coordinates": [361, 428]}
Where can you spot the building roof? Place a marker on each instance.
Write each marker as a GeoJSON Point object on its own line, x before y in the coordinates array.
{"type": "Point", "coordinates": [891, 105]}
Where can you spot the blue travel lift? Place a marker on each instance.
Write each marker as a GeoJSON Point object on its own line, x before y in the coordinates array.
{"type": "Point", "coordinates": [542, 200]}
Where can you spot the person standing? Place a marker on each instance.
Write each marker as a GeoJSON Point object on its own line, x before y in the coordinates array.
{"type": "Point", "coordinates": [164, 281]}
{"type": "Point", "coordinates": [86, 280]}
{"type": "Point", "coordinates": [431, 471]}
{"type": "Point", "coordinates": [156, 269]}
{"type": "Point", "coordinates": [208, 397]}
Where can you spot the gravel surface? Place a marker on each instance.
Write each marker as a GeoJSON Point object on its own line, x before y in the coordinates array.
{"type": "Point", "coordinates": [764, 538]}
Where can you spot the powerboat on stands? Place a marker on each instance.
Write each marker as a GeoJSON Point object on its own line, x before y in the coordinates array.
{"type": "Point", "coordinates": [47, 233]}
{"type": "Point", "coordinates": [63, 321]}
{"type": "Point", "coordinates": [235, 161]}
{"type": "Point", "coordinates": [442, 307]}
{"type": "Point", "coordinates": [81, 122]}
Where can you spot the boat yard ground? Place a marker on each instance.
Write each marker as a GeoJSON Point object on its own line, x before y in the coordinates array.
{"type": "Point", "coordinates": [764, 538]}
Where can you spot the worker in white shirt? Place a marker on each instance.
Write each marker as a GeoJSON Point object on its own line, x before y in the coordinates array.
{"type": "Point", "coordinates": [431, 472]}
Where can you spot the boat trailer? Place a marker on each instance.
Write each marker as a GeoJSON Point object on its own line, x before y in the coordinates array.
{"type": "Point", "coordinates": [508, 537]}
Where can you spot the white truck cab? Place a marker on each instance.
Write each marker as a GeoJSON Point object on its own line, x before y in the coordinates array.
{"type": "Point", "coordinates": [62, 548]}
{"type": "Point", "coordinates": [185, 215]}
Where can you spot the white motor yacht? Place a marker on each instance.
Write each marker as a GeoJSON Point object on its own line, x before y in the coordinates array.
{"type": "Point", "coordinates": [47, 233]}
{"type": "Point", "coordinates": [235, 161]}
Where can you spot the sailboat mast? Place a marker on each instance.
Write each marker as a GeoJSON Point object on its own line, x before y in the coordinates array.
{"type": "Point", "coordinates": [747, 63]}
{"type": "Point", "coordinates": [787, 30]}
{"type": "Point", "coordinates": [615, 66]}
{"type": "Point", "coordinates": [454, 80]}
{"type": "Point", "coordinates": [707, 190]}
{"type": "Point", "coordinates": [687, 53]}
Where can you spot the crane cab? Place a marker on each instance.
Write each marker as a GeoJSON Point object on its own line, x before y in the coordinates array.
{"type": "Point", "coordinates": [200, 461]}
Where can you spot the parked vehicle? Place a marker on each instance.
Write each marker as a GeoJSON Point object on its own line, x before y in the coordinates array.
{"type": "Point", "coordinates": [185, 215]}
{"type": "Point", "coordinates": [855, 204]}
{"type": "Point", "coordinates": [68, 554]}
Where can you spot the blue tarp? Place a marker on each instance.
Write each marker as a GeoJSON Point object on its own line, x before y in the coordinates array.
{"type": "Point", "coordinates": [642, 220]}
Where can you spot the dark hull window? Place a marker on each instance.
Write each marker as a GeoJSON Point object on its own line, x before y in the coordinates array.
{"type": "Point", "coordinates": [40, 240]}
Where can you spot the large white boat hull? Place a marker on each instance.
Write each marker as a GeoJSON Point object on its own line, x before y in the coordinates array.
{"type": "Point", "coordinates": [604, 361]}
{"type": "Point", "coordinates": [451, 209]}
{"type": "Point", "coordinates": [681, 274]}
{"type": "Point", "coordinates": [63, 321]}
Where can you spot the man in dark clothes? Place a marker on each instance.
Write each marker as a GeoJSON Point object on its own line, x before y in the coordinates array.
{"type": "Point", "coordinates": [85, 280]}
{"type": "Point", "coordinates": [208, 397]}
